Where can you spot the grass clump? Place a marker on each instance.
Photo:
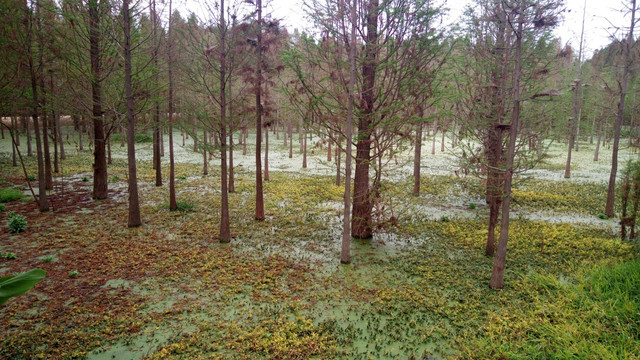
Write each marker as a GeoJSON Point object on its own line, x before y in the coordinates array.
{"type": "Point", "coordinates": [10, 194]}
{"type": "Point", "coordinates": [181, 205]}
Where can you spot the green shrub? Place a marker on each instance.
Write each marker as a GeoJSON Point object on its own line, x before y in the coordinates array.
{"type": "Point", "coordinates": [10, 194]}
{"type": "Point", "coordinates": [182, 206]}
{"type": "Point", "coordinates": [143, 138]}
{"type": "Point", "coordinates": [114, 178]}
{"type": "Point", "coordinates": [74, 273]}
{"type": "Point", "coordinates": [9, 256]}
{"type": "Point", "coordinates": [85, 179]}
{"type": "Point", "coordinates": [472, 206]}
{"type": "Point", "coordinates": [2, 208]}
{"type": "Point", "coordinates": [444, 218]}
{"type": "Point", "coordinates": [31, 177]}
{"type": "Point", "coordinates": [17, 223]}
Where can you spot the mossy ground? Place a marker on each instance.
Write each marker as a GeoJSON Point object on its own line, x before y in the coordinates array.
{"type": "Point", "coordinates": [169, 290]}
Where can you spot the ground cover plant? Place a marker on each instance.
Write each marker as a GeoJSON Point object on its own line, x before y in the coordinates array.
{"type": "Point", "coordinates": [419, 289]}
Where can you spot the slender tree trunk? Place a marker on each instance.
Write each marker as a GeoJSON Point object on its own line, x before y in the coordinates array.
{"type": "Point", "coordinates": [433, 140]}
{"type": "Point", "coordinates": [225, 232]}
{"type": "Point", "coordinates": [100, 184]}
{"type": "Point", "coordinates": [244, 142]}
{"type": "Point", "coordinates": [442, 140]}
{"type": "Point", "coordinates": [329, 148]}
{"type": "Point", "coordinates": [595, 153]}
{"type": "Point", "coordinates": [266, 154]}
{"type": "Point", "coordinates": [361, 223]}
{"type": "Point", "coordinates": [28, 132]}
{"type": "Point", "coordinates": [43, 203]}
{"type": "Point", "coordinates": [304, 151]}
{"type": "Point", "coordinates": [608, 210]}
{"type": "Point", "coordinates": [59, 135]}
{"type": "Point", "coordinates": [195, 135]}
{"type": "Point", "coordinates": [173, 204]}
{"type": "Point", "coordinates": [55, 122]}
{"type": "Point", "coordinates": [345, 256]}
{"type": "Point", "coordinates": [232, 185]}
{"type": "Point", "coordinates": [258, 88]}
{"type": "Point", "coordinates": [497, 275]}
{"type": "Point", "coordinates": [80, 145]}
{"type": "Point", "coordinates": [576, 103]}
{"type": "Point", "coordinates": [14, 135]}
{"type": "Point", "coordinates": [157, 162]}
{"type": "Point", "coordinates": [45, 139]}
{"type": "Point", "coordinates": [417, 156]}
{"type": "Point", "coordinates": [134, 204]}
{"type": "Point", "coordinates": [290, 139]}
{"type": "Point", "coordinates": [205, 161]}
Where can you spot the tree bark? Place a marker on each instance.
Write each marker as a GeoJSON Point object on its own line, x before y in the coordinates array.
{"type": "Point", "coordinates": [43, 203]}
{"type": "Point", "coordinates": [173, 204]}
{"type": "Point", "coordinates": [100, 184]}
{"type": "Point", "coordinates": [417, 156]}
{"type": "Point", "coordinates": [345, 256]}
{"type": "Point", "coordinates": [497, 275]}
{"type": "Point", "coordinates": [361, 223]}
{"type": "Point", "coordinates": [259, 215]}
{"type": "Point", "coordinates": [134, 204]}
{"type": "Point", "coordinates": [627, 58]}
{"type": "Point", "coordinates": [225, 232]}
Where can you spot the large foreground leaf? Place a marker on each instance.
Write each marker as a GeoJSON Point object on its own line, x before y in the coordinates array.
{"type": "Point", "coordinates": [14, 285]}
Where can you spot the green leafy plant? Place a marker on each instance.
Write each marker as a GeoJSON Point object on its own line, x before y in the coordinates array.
{"type": "Point", "coordinates": [48, 258]}
{"type": "Point", "coordinates": [2, 208]}
{"type": "Point", "coordinates": [17, 223]}
{"type": "Point", "coordinates": [31, 177]}
{"type": "Point", "coordinates": [114, 178]}
{"type": "Point", "coordinates": [9, 256]}
{"type": "Point", "coordinates": [182, 177]}
{"type": "Point", "coordinates": [444, 218]}
{"type": "Point", "coordinates": [603, 216]}
{"type": "Point", "coordinates": [85, 179]}
{"type": "Point", "coordinates": [10, 194]}
{"type": "Point", "coordinates": [472, 206]}
{"type": "Point", "coordinates": [14, 285]}
{"type": "Point", "coordinates": [74, 273]}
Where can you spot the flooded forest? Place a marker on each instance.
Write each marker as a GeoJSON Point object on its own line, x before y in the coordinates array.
{"type": "Point", "coordinates": [389, 180]}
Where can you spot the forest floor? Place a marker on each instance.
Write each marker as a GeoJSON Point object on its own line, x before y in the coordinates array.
{"type": "Point", "coordinates": [168, 289]}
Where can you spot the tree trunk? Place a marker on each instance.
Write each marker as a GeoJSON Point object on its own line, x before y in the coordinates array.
{"type": "Point", "coordinates": [345, 256]}
{"type": "Point", "coordinates": [361, 223]}
{"type": "Point", "coordinates": [43, 203]}
{"type": "Point", "coordinates": [266, 154]}
{"type": "Point", "coordinates": [205, 161]}
{"type": "Point", "coordinates": [28, 131]}
{"type": "Point", "coordinates": [497, 275]}
{"type": "Point", "coordinates": [304, 151]}
{"type": "Point", "coordinates": [232, 185]}
{"type": "Point", "coordinates": [14, 135]}
{"type": "Point", "coordinates": [45, 140]}
{"type": "Point", "coordinates": [109, 162]}
{"type": "Point", "coordinates": [595, 153]}
{"type": "Point", "coordinates": [134, 204]}
{"type": "Point", "coordinates": [290, 139]}
{"type": "Point", "coordinates": [100, 184]}
{"type": "Point", "coordinates": [225, 232]}
{"type": "Point", "coordinates": [417, 156]}
{"type": "Point", "coordinates": [80, 145]}
{"type": "Point", "coordinates": [258, 89]}
{"type": "Point", "coordinates": [59, 135]}
{"type": "Point", "coordinates": [173, 205]}
{"type": "Point", "coordinates": [433, 140]}
{"type": "Point", "coordinates": [627, 44]}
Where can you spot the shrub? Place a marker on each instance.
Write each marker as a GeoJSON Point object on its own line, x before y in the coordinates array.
{"type": "Point", "coordinates": [17, 223]}
{"type": "Point", "coordinates": [31, 177]}
{"type": "Point", "coordinates": [85, 179]}
{"type": "Point", "coordinates": [10, 194]}
{"type": "Point", "coordinates": [10, 256]}
{"type": "Point", "coordinates": [2, 208]}
{"type": "Point", "coordinates": [472, 206]}
{"type": "Point", "coordinates": [143, 138]}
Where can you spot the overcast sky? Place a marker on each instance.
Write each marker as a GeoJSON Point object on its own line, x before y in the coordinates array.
{"type": "Point", "coordinates": [602, 16]}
